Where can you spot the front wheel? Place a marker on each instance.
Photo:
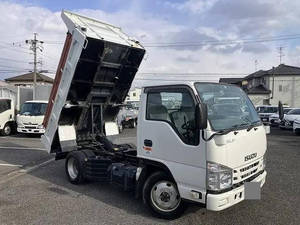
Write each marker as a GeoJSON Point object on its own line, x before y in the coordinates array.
{"type": "Point", "coordinates": [6, 130]}
{"type": "Point", "coordinates": [161, 195]}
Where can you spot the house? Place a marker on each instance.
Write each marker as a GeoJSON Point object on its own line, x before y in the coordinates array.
{"type": "Point", "coordinates": [281, 83]}
{"type": "Point", "coordinates": [134, 96]}
{"type": "Point", "coordinates": [268, 87]}
{"type": "Point", "coordinates": [3, 83]}
{"type": "Point", "coordinates": [236, 81]}
{"type": "Point", "coordinates": [27, 79]}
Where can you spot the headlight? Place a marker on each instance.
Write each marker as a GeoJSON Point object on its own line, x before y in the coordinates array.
{"type": "Point", "coordinates": [218, 177]}
{"type": "Point", "coordinates": [41, 126]}
{"type": "Point", "coordinates": [20, 125]}
{"type": "Point", "coordinates": [264, 162]}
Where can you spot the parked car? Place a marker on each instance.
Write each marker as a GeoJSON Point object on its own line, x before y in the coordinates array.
{"type": "Point", "coordinates": [127, 117]}
{"type": "Point", "coordinates": [265, 111]}
{"type": "Point", "coordinates": [274, 119]}
{"type": "Point", "coordinates": [296, 126]}
{"type": "Point", "coordinates": [289, 118]}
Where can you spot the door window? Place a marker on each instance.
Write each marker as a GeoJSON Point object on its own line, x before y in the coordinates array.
{"type": "Point", "coordinates": [176, 107]}
{"type": "Point", "coordinates": [4, 105]}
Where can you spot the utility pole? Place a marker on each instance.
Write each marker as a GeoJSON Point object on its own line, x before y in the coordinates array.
{"type": "Point", "coordinates": [255, 64]}
{"type": "Point", "coordinates": [34, 45]}
{"type": "Point", "coordinates": [273, 82]}
{"type": "Point", "coordinates": [281, 54]}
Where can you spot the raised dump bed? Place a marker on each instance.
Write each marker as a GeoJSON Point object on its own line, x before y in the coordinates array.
{"type": "Point", "coordinates": [97, 66]}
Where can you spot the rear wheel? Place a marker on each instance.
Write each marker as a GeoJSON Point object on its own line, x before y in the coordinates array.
{"type": "Point", "coordinates": [74, 167]}
{"type": "Point", "coordinates": [6, 130]}
{"type": "Point", "coordinates": [161, 195]}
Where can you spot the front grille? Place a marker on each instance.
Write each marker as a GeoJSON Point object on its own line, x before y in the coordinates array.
{"type": "Point", "coordinates": [245, 172]}
{"type": "Point", "coordinates": [30, 127]}
{"type": "Point", "coordinates": [249, 167]}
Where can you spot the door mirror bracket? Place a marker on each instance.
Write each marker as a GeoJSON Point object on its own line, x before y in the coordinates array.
{"type": "Point", "coordinates": [201, 116]}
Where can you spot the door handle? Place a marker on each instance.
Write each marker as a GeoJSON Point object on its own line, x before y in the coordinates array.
{"type": "Point", "coordinates": [148, 143]}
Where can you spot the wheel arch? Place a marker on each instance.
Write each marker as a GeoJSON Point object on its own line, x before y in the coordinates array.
{"type": "Point", "coordinates": [149, 167]}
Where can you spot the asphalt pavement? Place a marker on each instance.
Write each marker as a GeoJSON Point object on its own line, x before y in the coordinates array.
{"type": "Point", "coordinates": [36, 190]}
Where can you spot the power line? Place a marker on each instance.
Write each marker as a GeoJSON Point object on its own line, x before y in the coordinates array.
{"type": "Point", "coordinates": [11, 48]}
{"type": "Point", "coordinates": [12, 67]}
{"type": "Point", "coordinates": [215, 43]}
{"type": "Point", "coordinates": [188, 73]}
{"type": "Point", "coordinates": [12, 60]}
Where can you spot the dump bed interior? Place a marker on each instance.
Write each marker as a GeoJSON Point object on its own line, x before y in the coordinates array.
{"type": "Point", "coordinates": [87, 94]}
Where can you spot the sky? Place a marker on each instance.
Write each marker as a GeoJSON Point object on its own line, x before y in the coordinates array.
{"type": "Point", "coordinates": [184, 40]}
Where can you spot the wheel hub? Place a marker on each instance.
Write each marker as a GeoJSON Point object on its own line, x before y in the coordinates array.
{"type": "Point", "coordinates": [72, 168]}
{"type": "Point", "coordinates": [165, 196]}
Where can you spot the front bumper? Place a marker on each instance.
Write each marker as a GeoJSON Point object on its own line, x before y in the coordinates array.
{"type": "Point", "coordinates": [31, 131]}
{"type": "Point", "coordinates": [296, 127]}
{"type": "Point", "coordinates": [217, 202]}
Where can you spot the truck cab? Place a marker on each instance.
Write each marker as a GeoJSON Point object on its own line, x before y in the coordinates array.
{"type": "Point", "coordinates": [199, 142]}
{"type": "Point", "coordinates": [211, 164]}
{"type": "Point", "coordinates": [265, 111]}
{"type": "Point", "coordinates": [31, 117]}
{"type": "Point", "coordinates": [7, 116]}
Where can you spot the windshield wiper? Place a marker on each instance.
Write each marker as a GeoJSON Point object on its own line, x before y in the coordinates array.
{"type": "Point", "coordinates": [253, 124]}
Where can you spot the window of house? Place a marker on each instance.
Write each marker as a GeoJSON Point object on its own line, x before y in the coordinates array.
{"type": "Point", "coordinates": [177, 108]}
{"type": "Point", "coordinates": [134, 94]}
{"type": "Point", "coordinates": [280, 88]}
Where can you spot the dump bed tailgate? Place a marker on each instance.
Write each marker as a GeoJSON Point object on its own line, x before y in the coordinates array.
{"type": "Point", "coordinates": [94, 75]}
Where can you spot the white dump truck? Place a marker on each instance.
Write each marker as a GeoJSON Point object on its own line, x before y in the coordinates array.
{"type": "Point", "coordinates": [199, 142]}
{"type": "Point", "coordinates": [31, 117]}
{"type": "Point", "coordinates": [7, 116]}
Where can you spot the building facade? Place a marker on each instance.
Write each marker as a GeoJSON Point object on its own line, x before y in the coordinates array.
{"type": "Point", "coordinates": [268, 87]}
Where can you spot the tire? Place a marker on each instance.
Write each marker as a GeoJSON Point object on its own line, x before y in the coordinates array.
{"type": "Point", "coordinates": [75, 168]}
{"type": "Point", "coordinates": [132, 124]}
{"type": "Point", "coordinates": [7, 129]}
{"type": "Point", "coordinates": [120, 128]}
{"type": "Point", "coordinates": [168, 205]}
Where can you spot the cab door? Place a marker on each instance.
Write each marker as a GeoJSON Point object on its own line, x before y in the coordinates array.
{"type": "Point", "coordinates": [167, 134]}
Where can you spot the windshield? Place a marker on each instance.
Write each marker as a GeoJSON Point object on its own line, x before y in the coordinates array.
{"type": "Point", "coordinates": [33, 109]}
{"type": "Point", "coordinates": [265, 109]}
{"type": "Point", "coordinates": [294, 112]}
{"type": "Point", "coordinates": [285, 111]}
{"type": "Point", "coordinates": [228, 106]}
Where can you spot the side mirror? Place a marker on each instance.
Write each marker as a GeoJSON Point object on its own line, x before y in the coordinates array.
{"type": "Point", "coordinates": [280, 110]}
{"type": "Point", "coordinates": [201, 116]}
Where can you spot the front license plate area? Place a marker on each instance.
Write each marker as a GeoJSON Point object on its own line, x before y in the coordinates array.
{"type": "Point", "coordinates": [252, 190]}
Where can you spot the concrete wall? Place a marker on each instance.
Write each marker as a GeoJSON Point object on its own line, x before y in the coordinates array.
{"type": "Point", "coordinates": [286, 90]}
{"type": "Point", "coordinates": [258, 99]}
{"type": "Point", "coordinates": [43, 92]}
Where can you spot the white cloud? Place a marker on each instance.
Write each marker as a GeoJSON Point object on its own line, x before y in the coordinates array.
{"type": "Point", "coordinates": [19, 22]}
{"type": "Point", "coordinates": [194, 6]}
